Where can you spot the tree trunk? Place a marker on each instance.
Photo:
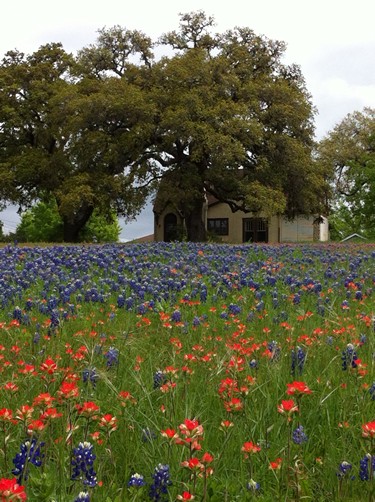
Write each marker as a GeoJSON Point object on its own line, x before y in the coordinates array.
{"type": "Point", "coordinates": [73, 226]}
{"type": "Point", "coordinates": [195, 227]}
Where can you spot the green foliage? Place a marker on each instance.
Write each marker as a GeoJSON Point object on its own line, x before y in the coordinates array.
{"type": "Point", "coordinates": [349, 152]}
{"type": "Point", "coordinates": [97, 130]}
{"type": "Point", "coordinates": [42, 223]}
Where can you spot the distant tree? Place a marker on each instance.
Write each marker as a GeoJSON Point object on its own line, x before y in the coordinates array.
{"type": "Point", "coordinates": [42, 223]}
{"type": "Point", "coordinates": [349, 150]}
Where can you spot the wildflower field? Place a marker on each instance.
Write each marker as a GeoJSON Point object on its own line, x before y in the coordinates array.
{"type": "Point", "coordinates": [185, 371]}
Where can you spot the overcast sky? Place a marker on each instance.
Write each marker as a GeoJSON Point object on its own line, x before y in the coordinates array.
{"type": "Point", "coordinates": [333, 41]}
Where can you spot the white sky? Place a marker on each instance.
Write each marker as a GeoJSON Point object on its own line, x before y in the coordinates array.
{"type": "Point", "coordinates": [333, 41]}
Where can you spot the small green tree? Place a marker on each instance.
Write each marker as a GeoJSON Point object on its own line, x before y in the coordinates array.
{"type": "Point", "coordinates": [42, 223]}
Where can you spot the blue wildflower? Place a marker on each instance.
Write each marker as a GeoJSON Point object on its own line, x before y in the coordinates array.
{"type": "Point", "coordinates": [82, 497]}
{"type": "Point", "coordinates": [298, 360]}
{"type": "Point", "coordinates": [299, 436]}
{"type": "Point", "coordinates": [253, 486]}
{"type": "Point", "coordinates": [90, 375]}
{"type": "Point", "coordinates": [343, 469]}
{"type": "Point", "coordinates": [275, 350]}
{"type": "Point", "coordinates": [148, 435]}
{"type": "Point", "coordinates": [82, 462]}
{"type": "Point", "coordinates": [136, 480]}
{"type": "Point", "coordinates": [112, 355]}
{"type": "Point", "coordinates": [364, 467]}
{"type": "Point", "coordinates": [30, 453]}
{"type": "Point", "coordinates": [160, 379]}
{"type": "Point", "coordinates": [348, 357]}
{"type": "Point", "coordinates": [176, 316]}
{"type": "Point", "coordinates": [161, 481]}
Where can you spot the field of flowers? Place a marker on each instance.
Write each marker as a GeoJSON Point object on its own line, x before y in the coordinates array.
{"type": "Point", "coordinates": [180, 371]}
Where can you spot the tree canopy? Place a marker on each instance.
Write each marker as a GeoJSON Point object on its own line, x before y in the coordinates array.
{"type": "Point", "coordinates": [349, 152]}
{"type": "Point", "coordinates": [219, 114]}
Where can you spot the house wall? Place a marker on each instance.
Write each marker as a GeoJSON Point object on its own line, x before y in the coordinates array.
{"type": "Point", "coordinates": [235, 223]}
{"type": "Point", "coordinates": [301, 229]}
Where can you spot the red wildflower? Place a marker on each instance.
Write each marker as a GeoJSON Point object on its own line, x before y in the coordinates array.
{"type": "Point", "coordinates": [87, 409]}
{"type": "Point", "coordinates": [68, 390]}
{"type": "Point", "coordinates": [24, 413]}
{"type": "Point", "coordinates": [35, 425]}
{"type": "Point", "coordinates": [235, 404]}
{"type": "Point", "coordinates": [368, 430]}
{"type": "Point", "coordinates": [50, 413]}
{"type": "Point", "coordinates": [193, 463]}
{"type": "Point", "coordinates": [169, 433]}
{"type": "Point", "coordinates": [297, 389]}
{"type": "Point", "coordinates": [225, 425]}
{"type": "Point", "coordinates": [191, 428]}
{"type": "Point", "coordinates": [287, 407]}
{"type": "Point", "coordinates": [250, 447]}
{"type": "Point", "coordinates": [10, 490]}
{"type": "Point", "coordinates": [108, 422]}
{"type": "Point", "coordinates": [49, 366]}
{"type": "Point", "coordinates": [185, 496]}
{"type": "Point", "coordinates": [276, 464]}
{"type": "Point", "coordinates": [207, 458]}
{"type": "Point", "coordinates": [11, 387]}
{"type": "Point", "coordinates": [43, 399]}
{"type": "Point", "coordinates": [6, 415]}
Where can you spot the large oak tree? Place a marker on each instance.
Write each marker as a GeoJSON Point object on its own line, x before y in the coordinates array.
{"type": "Point", "coordinates": [218, 114]}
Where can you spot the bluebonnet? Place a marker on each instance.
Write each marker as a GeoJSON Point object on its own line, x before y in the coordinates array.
{"type": "Point", "coordinates": [296, 299]}
{"type": "Point", "coordinates": [112, 356]}
{"type": "Point", "coordinates": [30, 453]}
{"type": "Point", "coordinates": [343, 469]}
{"type": "Point", "coordinates": [176, 316]}
{"type": "Point", "coordinates": [275, 350]}
{"type": "Point", "coordinates": [120, 301]}
{"type": "Point", "coordinates": [82, 497]}
{"type": "Point", "coordinates": [82, 462]}
{"type": "Point", "coordinates": [299, 436]}
{"type": "Point", "coordinates": [136, 480]}
{"type": "Point", "coordinates": [364, 467]}
{"type": "Point", "coordinates": [348, 357]}
{"type": "Point", "coordinates": [17, 314]}
{"type": "Point", "coordinates": [372, 391]}
{"type": "Point", "coordinates": [363, 339]}
{"type": "Point", "coordinates": [160, 379]}
{"type": "Point", "coordinates": [253, 486]}
{"type": "Point", "coordinates": [90, 375]}
{"type": "Point", "coordinates": [196, 321]}
{"type": "Point", "coordinates": [161, 481]}
{"type": "Point", "coordinates": [298, 360]}
{"type": "Point", "coordinates": [148, 435]}
{"type": "Point", "coordinates": [253, 364]}
{"type": "Point", "coordinates": [234, 309]}
{"type": "Point", "coordinates": [358, 295]}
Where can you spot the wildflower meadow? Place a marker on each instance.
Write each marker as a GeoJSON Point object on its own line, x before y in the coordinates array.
{"type": "Point", "coordinates": [181, 371]}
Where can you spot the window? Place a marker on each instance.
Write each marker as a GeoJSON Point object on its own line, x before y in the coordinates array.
{"type": "Point", "coordinates": [255, 230]}
{"type": "Point", "coordinates": [218, 226]}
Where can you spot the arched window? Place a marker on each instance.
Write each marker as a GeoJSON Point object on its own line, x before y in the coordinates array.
{"type": "Point", "coordinates": [170, 227]}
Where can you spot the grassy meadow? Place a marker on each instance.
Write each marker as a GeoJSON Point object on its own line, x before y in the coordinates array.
{"type": "Point", "coordinates": [180, 371]}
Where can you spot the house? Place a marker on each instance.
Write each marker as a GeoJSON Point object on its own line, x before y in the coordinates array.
{"type": "Point", "coordinates": [239, 227]}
